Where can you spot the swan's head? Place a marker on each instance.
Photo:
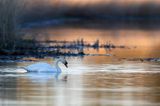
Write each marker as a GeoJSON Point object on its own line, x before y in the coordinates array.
{"type": "Point", "coordinates": [64, 61]}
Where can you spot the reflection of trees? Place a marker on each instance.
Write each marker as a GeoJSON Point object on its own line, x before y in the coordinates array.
{"type": "Point", "coordinates": [116, 86]}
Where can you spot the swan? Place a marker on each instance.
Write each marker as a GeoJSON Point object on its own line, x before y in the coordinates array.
{"type": "Point", "coordinates": [44, 67]}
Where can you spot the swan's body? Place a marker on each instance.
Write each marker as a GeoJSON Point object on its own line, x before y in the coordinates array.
{"type": "Point", "coordinates": [43, 67]}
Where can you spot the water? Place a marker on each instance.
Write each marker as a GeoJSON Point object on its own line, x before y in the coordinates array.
{"type": "Point", "coordinates": [89, 81]}
{"type": "Point", "coordinates": [127, 37]}
{"type": "Point", "coordinates": [119, 79]}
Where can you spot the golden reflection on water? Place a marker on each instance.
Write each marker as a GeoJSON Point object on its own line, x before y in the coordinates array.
{"type": "Point", "coordinates": [139, 52]}
{"type": "Point", "coordinates": [146, 42]}
{"type": "Point", "coordinates": [98, 82]}
{"type": "Point", "coordinates": [117, 37]}
{"type": "Point", "coordinates": [136, 87]}
{"type": "Point", "coordinates": [91, 80]}
{"type": "Point", "coordinates": [93, 89]}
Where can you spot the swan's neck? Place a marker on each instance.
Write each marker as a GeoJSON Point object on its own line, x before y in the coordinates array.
{"type": "Point", "coordinates": [57, 66]}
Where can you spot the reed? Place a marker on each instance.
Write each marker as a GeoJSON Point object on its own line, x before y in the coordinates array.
{"type": "Point", "coordinates": [9, 14]}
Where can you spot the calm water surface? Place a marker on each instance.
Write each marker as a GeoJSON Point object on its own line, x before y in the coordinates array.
{"type": "Point", "coordinates": [89, 81]}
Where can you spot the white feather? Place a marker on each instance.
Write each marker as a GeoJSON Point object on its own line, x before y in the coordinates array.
{"type": "Point", "coordinates": [21, 71]}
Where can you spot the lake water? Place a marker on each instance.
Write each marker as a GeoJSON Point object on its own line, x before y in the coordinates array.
{"type": "Point", "coordinates": [89, 81]}
{"type": "Point", "coordinates": [116, 80]}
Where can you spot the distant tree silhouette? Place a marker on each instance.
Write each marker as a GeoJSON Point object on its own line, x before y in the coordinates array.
{"type": "Point", "coordinates": [9, 10]}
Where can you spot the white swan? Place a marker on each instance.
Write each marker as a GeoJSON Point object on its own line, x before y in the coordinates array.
{"type": "Point", "coordinates": [44, 67]}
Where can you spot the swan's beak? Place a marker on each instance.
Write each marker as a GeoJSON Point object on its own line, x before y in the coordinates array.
{"type": "Point", "coordinates": [66, 64]}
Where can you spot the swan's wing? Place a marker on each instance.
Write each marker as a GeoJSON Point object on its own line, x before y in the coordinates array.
{"type": "Point", "coordinates": [40, 67]}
